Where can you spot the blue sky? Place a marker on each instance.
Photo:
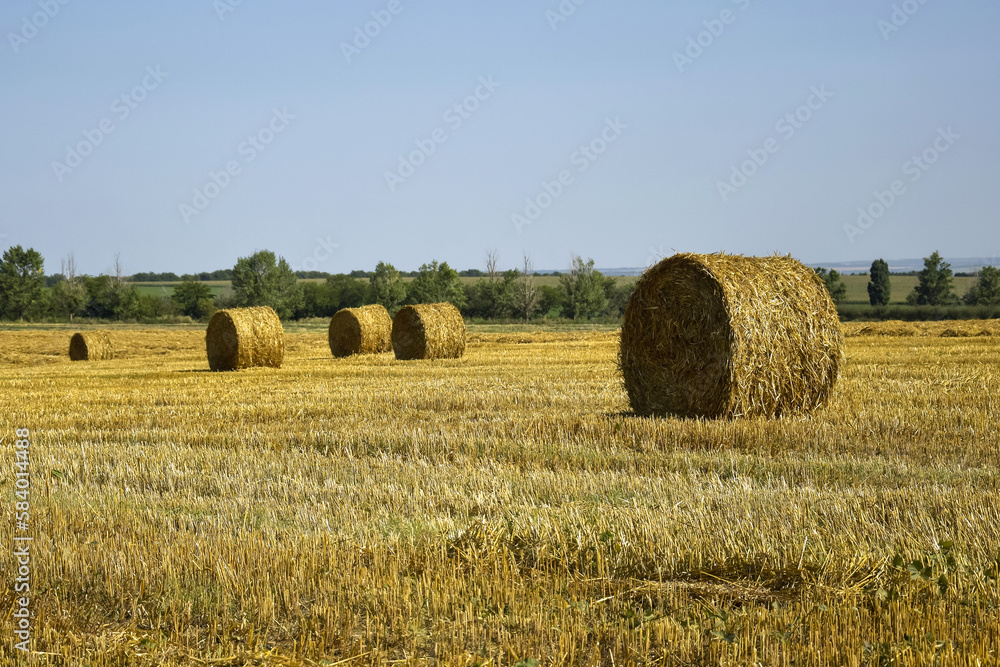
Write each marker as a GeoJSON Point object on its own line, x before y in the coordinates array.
{"type": "Point", "coordinates": [661, 144]}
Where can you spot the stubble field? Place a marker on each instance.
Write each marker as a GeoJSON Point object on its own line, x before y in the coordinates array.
{"type": "Point", "coordinates": [500, 508]}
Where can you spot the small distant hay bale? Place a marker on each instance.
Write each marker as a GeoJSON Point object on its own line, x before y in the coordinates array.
{"type": "Point", "coordinates": [365, 330]}
{"type": "Point", "coordinates": [428, 331]}
{"type": "Point", "coordinates": [240, 338]}
{"type": "Point", "coordinates": [727, 336]}
{"type": "Point", "coordinates": [91, 346]}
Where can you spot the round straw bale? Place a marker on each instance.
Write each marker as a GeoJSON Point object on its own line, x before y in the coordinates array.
{"type": "Point", "coordinates": [365, 330]}
{"type": "Point", "coordinates": [91, 346]}
{"type": "Point", "coordinates": [240, 338]}
{"type": "Point", "coordinates": [428, 331]}
{"type": "Point", "coordinates": [729, 336]}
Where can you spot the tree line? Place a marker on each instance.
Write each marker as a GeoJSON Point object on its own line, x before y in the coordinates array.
{"type": "Point", "coordinates": [262, 279]}
{"type": "Point", "coordinates": [582, 292]}
{"type": "Point", "coordinates": [935, 285]}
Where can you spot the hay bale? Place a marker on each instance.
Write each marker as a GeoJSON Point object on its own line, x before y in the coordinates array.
{"type": "Point", "coordinates": [729, 336]}
{"type": "Point", "coordinates": [366, 330]}
{"type": "Point", "coordinates": [91, 346]}
{"type": "Point", "coordinates": [240, 338]}
{"type": "Point", "coordinates": [428, 331]}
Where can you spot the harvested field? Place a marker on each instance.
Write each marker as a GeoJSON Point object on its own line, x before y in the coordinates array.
{"type": "Point", "coordinates": [500, 507]}
{"type": "Point", "coordinates": [959, 329]}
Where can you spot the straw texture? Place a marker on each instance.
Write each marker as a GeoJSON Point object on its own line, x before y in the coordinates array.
{"type": "Point", "coordinates": [91, 346]}
{"type": "Point", "coordinates": [428, 331]}
{"type": "Point", "coordinates": [365, 330]}
{"type": "Point", "coordinates": [240, 338]}
{"type": "Point", "coordinates": [727, 336]}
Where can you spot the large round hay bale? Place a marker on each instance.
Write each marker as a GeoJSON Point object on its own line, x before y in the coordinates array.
{"type": "Point", "coordinates": [365, 330]}
{"type": "Point", "coordinates": [428, 331]}
{"type": "Point", "coordinates": [90, 346]}
{"type": "Point", "coordinates": [240, 338]}
{"type": "Point", "coordinates": [729, 336]}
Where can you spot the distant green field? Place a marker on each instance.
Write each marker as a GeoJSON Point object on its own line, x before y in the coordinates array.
{"type": "Point", "coordinates": [166, 289]}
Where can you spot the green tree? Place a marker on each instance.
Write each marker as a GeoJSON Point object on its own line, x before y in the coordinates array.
{"type": "Point", "coordinates": [158, 306]}
{"type": "Point", "coordinates": [69, 298]}
{"type": "Point", "coordinates": [834, 285]}
{"type": "Point", "coordinates": [346, 292]}
{"type": "Point", "coordinates": [100, 301]}
{"type": "Point", "coordinates": [986, 290]}
{"type": "Point", "coordinates": [618, 297]}
{"type": "Point", "coordinates": [111, 299]}
{"type": "Point", "coordinates": [22, 280]}
{"type": "Point", "coordinates": [934, 286]}
{"type": "Point", "coordinates": [550, 300]}
{"type": "Point", "coordinates": [879, 287]}
{"type": "Point", "coordinates": [387, 288]}
{"type": "Point", "coordinates": [263, 280]}
{"type": "Point", "coordinates": [315, 301]}
{"type": "Point", "coordinates": [491, 297]}
{"type": "Point", "coordinates": [127, 303]}
{"type": "Point", "coordinates": [194, 299]}
{"type": "Point", "coordinates": [436, 283]}
{"type": "Point", "coordinates": [582, 290]}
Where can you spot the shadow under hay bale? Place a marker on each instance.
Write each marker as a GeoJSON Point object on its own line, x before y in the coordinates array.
{"type": "Point", "coordinates": [91, 346]}
{"type": "Point", "coordinates": [428, 331]}
{"type": "Point", "coordinates": [365, 330]}
{"type": "Point", "coordinates": [240, 338]}
{"type": "Point", "coordinates": [729, 336]}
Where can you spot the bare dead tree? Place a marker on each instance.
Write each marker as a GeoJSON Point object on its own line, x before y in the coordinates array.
{"type": "Point", "coordinates": [491, 265]}
{"type": "Point", "coordinates": [119, 270]}
{"type": "Point", "coordinates": [68, 268]}
{"type": "Point", "coordinates": [526, 297]}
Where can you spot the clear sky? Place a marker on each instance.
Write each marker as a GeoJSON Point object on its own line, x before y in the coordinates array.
{"type": "Point", "coordinates": [602, 129]}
